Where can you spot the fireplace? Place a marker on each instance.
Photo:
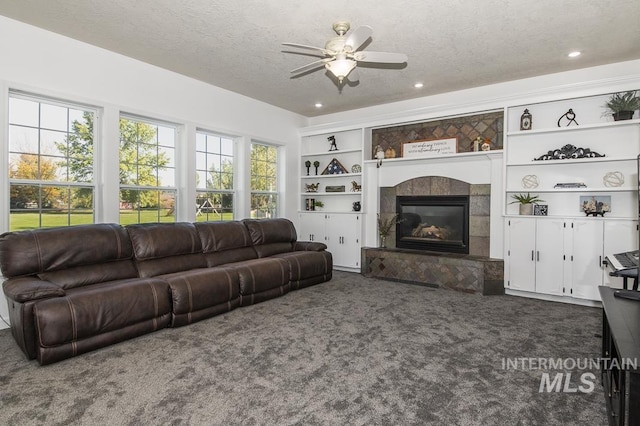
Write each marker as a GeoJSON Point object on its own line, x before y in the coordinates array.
{"type": "Point", "coordinates": [434, 223]}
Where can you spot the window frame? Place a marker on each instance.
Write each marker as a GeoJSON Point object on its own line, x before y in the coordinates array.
{"type": "Point", "coordinates": [39, 183]}
{"type": "Point", "coordinates": [276, 167]}
{"type": "Point", "coordinates": [216, 191]}
{"type": "Point", "coordinates": [160, 189]}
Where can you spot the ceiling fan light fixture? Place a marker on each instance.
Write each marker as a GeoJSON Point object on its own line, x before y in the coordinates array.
{"type": "Point", "coordinates": [341, 68]}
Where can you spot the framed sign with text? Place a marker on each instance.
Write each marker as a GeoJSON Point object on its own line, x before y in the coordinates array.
{"type": "Point", "coordinates": [429, 148]}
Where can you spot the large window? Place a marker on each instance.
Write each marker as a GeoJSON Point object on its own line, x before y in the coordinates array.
{"type": "Point", "coordinates": [51, 158]}
{"type": "Point", "coordinates": [264, 182]}
{"type": "Point", "coordinates": [147, 171]}
{"type": "Point", "coordinates": [214, 177]}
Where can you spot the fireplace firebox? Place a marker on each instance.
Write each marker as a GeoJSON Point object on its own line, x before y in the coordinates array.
{"type": "Point", "coordinates": [433, 223]}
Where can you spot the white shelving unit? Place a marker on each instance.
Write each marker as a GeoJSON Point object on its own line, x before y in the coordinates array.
{"type": "Point", "coordinates": [349, 154]}
{"type": "Point", "coordinates": [617, 141]}
{"type": "Point", "coordinates": [336, 224]}
{"type": "Point", "coordinates": [586, 239]}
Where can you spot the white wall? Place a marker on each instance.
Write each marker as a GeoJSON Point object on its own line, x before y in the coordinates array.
{"type": "Point", "coordinates": [44, 63]}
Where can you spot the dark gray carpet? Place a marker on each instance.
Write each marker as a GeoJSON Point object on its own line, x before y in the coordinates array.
{"type": "Point", "coordinates": [351, 351]}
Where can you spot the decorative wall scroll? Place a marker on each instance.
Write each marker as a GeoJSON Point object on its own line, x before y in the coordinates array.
{"type": "Point", "coordinates": [568, 152]}
{"type": "Point", "coordinates": [429, 148]}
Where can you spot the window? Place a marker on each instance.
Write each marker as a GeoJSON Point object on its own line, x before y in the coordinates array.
{"type": "Point", "coordinates": [264, 183]}
{"type": "Point", "coordinates": [51, 157]}
{"type": "Point", "coordinates": [147, 171]}
{"type": "Point", "coordinates": [214, 177]}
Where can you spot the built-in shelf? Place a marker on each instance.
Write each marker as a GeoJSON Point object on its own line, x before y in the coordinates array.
{"type": "Point", "coordinates": [572, 161]}
{"type": "Point", "coordinates": [338, 175]}
{"type": "Point", "coordinates": [338, 152]}
{"type": "Point", "coordinates": [587, 189]}
{"type": "Point", "coordinates": [592, 126]}
{"type": "Point", "coordinates": [458, 156]}
{"type": "Point", "coordinates": [310, 194]}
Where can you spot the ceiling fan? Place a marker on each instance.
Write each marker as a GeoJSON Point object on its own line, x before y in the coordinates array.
{"type": "Point", "coordinates": [341, 54]}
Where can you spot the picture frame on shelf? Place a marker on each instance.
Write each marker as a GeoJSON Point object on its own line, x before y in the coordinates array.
{"type": "Point", "coordinates": [595, 204]}
{"type": "Point", "coordinates": [540, 209]}
{"type": "Point", "coordinates": [430, 148]}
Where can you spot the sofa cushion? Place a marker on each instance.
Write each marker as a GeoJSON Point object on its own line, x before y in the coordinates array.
{"type": "Point", "coordinates": [164, 248]}
{"type": "Point", "coordinates": [23, 289]}
{"type": "Point", "coordinates": [271, 236]}
{"type": "Point", "coordinates": [115, 310]}
{"type": "Point", "coordinates": [262, 279]}
{"type": "Point", "coordinates": [307, 264]}
{"type": "Point", "coordinates": [202, 293]}
{"type": "Point", "coordinates": [46, 250]}
{"type": "Point", "coordinates": [225, 242]}
{"type": "Point", "coordinates": [91, 274]}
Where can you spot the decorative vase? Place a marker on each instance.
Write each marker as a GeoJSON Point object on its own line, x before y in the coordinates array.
{"type": "Point", "coordinates": [526, 209]}
{"type": "Point", "coordinates": [356, 206]}
{"type": "Point", "coordinates": [623, 115]}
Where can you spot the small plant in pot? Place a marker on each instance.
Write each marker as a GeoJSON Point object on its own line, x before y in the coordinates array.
{"type": "Point", "coordinates": [318, 205]}
{"type": "Point", "coordinates": [526, 202]}
{"type": "Point", "coordinates": [623, 105]}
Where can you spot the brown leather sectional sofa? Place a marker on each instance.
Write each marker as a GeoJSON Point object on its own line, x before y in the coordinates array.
{"type": "Point", "coordinates": [71, 290]}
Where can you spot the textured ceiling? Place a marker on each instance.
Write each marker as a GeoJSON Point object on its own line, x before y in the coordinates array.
{"type": "Point", "coordinates": [451, 45]}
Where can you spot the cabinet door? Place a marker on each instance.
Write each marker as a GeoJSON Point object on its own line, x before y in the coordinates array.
{"type": "Point", "coordinates": [312, 227]}
{"type": "Point", "coordinates": [521, 253]}
{"type": "Point", "coordinates": [586, 267]}
{"type": "Point", "coordinates": [619, 236]}
{"type": "Point", "coordinates": [343, 239]}
{"type": "Point", "coordinates": [550, 256]}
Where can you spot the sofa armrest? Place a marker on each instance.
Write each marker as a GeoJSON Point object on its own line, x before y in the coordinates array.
{"type": "Point", "coordinates": [24, 289]}
{"type": "Point", "coordinates": [309, 246]}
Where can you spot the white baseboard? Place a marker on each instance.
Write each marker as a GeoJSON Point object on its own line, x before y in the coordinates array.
{"type": "Point", "coordinates": [552, 298]}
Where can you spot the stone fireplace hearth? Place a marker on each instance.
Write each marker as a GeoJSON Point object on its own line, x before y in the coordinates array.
{"type": "Point", "coordinates": [475, 272]}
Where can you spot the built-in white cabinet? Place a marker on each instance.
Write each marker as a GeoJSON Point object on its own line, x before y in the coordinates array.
{"type": "Point", "coordinates": [534, 255]}
{"type": "Point", "coordinates": [331, 174]}
{"type": "Point", "coordinates": [341, 232]}
{"type": "Point", "coordinates": [571, 154]}
{"type": "Point", "coordinates": [564, 256]}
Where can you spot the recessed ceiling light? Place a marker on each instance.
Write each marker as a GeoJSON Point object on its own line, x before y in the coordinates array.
{"type": "Point", "coordinates": [574, 54]}
{"type": "Point", "coordinates": [318, 105]}
{"type": "Point", "coordinates": [418, 85]}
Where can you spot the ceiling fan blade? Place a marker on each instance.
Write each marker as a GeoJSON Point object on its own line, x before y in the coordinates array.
{"type": "Point", "coordinates": [381, 57]}
{"type": "Point", "coordinates": [358, 36]}
{"type": "Point", "coordinates": [304, 46]}
{"type": "Point", "coordinates": [312, 65]}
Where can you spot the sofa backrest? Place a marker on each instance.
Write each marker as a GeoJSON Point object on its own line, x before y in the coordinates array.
{"type": "Point", "coordinates": [271, 236]}
{"type": "Point", "coordinates": [164, 248]}
{"type": "Point", "coordinates": [225, 242]}
{"type": "Point", "coordinates": [69, 257]}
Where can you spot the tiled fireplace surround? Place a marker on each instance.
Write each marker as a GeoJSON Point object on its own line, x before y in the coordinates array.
{"type": "Point", "coordinates": [473, 273]}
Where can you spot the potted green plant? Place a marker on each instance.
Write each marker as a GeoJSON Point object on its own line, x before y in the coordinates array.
{"type": "Point", "coordinates": [317, 205]}
{"type": "Point", "coordinates": [526, 202]}
{"type": "Point", "coordinates": [623, 105]}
